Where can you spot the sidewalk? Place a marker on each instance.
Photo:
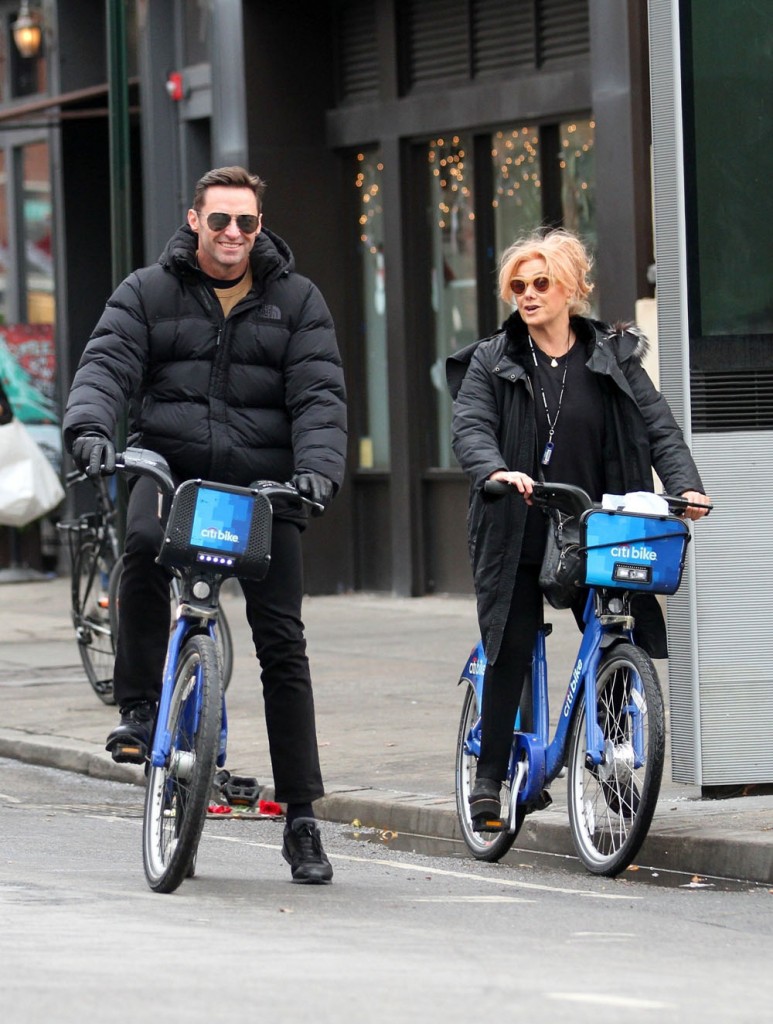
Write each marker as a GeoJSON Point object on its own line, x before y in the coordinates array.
{"type": "Point", "coordinates": [385, 672]}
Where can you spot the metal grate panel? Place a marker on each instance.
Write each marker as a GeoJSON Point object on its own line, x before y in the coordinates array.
{"type": "Point", "coordinates": [435, 34]}
{"type": "Point", "coordinates": [358, 50]}
{"type": "Point", "coordinates": [563, 29]}
{"type": "Point", "coordinates": [740, 400]}
{"type": "Point", "coordinates": [734, 597]}
{"type": "Point", "coordinates": [503, 37]}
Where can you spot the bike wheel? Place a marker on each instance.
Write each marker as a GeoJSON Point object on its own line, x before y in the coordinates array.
{"type": "Point", "coordinates": [112, 597]}
{"type": "Point", "coordinates": [488, 846]}
{"type": "Point", "coordinates": [178, 792]}
{"type": "Point", "coordinates": [611, 805]}
{"type": "Point", "coordinates": [91, 616]}
{"type": "Point", "coordinates": [225, 644]}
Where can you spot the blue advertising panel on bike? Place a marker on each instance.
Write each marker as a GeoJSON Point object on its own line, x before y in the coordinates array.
{"type": "Point", "coordinates": [218, 526]}
{"type": "Point", "coordinates": [221, 521]}
{"type": "Point", "coordinates": [634, 551]}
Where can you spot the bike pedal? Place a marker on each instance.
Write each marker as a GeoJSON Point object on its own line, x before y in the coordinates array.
{"type": "Point", "coordinates": [543, 800]}
{"type": "Point", "coordinates": [483, 823]}
{"type": "Point", "coordinates": [128, 753]}
{"type": "Point", "coordinates": [238, 790]}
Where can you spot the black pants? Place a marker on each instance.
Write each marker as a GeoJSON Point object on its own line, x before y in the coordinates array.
{"type": "Point", "coordinates": [274, 615]}
{"type": "Point", "coordinates": [503, 681]}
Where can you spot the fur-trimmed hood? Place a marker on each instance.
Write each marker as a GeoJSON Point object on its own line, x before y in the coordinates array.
{"type": "Point", "coordinates": [511, 341]}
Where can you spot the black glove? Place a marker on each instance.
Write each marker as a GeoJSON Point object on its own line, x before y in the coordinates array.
{"type": "Point", "coordinates": [313, 486]}
{"type": "Point", "coordinates": [94, 454]}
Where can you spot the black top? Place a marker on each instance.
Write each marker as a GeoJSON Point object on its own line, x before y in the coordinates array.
{"type": "Point", "coordinates": [578, 440]}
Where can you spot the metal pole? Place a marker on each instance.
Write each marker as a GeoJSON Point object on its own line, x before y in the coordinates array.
{"type": "Point", "coordinates": [118, 105]}
{"type": "Point", "coordinates": [120, 195]}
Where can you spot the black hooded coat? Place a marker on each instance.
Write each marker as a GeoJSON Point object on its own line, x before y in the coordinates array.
{"type": "Point", "coordinates": [257, 395]}
{"type": "Point", "coordinates": [494, 428]}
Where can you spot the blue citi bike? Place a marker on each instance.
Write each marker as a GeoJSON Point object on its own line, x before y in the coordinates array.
{"type": "Point", "coordinates": [610, 731]}
{"type": "Point", "coordinates": [213, 531]}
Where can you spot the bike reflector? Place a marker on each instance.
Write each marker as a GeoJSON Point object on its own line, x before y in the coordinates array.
{"type": "Point", "coordinates": [218, 527]}
{"type": "Point", "coordinates": [633, 551]}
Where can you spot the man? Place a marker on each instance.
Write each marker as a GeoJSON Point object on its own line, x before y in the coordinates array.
{"type": "Point", "coordinates": [229, 360]}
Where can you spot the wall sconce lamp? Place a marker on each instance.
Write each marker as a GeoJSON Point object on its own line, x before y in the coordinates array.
{"type": "Point", "coordinates": [27, 33]}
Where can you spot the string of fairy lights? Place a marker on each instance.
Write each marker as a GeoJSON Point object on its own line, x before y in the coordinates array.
{"type": "Point", "coordinates": [368, 181]}
{"type": "Point", "coordinates": [516, 162]}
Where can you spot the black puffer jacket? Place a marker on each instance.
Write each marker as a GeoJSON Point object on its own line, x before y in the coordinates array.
{"type": "Point", "coordinates": [254, 396]}
{"type": "Point", "coordinates": [494, 428]}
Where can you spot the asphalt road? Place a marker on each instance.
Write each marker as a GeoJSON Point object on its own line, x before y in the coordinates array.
{"type": "Point", "coordinates": [399, 936]}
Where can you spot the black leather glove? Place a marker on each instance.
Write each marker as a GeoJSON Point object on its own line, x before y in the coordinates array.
{"type": "Point", "coordinates": [313, 486]}
{"type": "Point", "coordinates": [94, 454]}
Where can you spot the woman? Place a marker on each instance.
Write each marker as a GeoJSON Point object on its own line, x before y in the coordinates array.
{"type": "Point", "coordinates": [564, 396]}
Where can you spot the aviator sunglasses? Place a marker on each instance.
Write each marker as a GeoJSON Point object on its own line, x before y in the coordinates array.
{"type": "Point", "coordinates": [246, 222]}
{"type": "Point", "coordinates": [541, 283]}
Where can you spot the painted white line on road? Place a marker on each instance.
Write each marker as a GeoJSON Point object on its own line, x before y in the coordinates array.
{"type": "Point", "coordinates": [10, 799]}
{"type": "Point", "coordinates": [444, 872]}
{"type": "Point", "coordinates": [602, 999]}
{"type": "Point", "coordinates": [470, 899]}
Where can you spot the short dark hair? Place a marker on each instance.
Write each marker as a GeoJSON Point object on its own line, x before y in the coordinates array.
{"type": "Point", "coordinates": [231, 177]}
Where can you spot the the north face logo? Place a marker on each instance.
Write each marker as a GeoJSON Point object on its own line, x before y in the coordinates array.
{"type": "Point", "coordinates": [269, 312]}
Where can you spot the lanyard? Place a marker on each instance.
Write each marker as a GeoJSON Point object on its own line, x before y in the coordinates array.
{"type": "Point", "coordinates": [548, 451]}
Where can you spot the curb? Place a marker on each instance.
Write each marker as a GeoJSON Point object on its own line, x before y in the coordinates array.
{"type": "Point", "coordinates": [744, 857]}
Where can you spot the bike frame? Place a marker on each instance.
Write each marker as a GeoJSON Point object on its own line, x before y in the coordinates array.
{"type": "Point", "coordinates": [536, 759]}
{"type": "Point", "coordinates": [188, 622]}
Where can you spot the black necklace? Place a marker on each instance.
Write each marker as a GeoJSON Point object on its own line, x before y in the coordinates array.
{"type": "Point", "coordinates": [549, 446]}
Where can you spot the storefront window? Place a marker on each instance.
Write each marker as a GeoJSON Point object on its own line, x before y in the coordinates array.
{"type": "Point", "coordinates": [454, 287]}
{"type": "Point", "coordinates": [578, 179]}
{"type": "Point", "coordinates": [374, 442]}
{"type": "Point", "coordinates": [518, 167]}
{"type": "Point", "coordinates": [517, 202]}
{"type": "Point", "coordinates": [38, 270]}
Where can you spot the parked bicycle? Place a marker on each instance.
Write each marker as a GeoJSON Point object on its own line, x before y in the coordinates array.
{"type": "Point", "coordinates": [610, 732]}
{"type": "Point", "coordinates": [94, 552]}
{"type": "Point", "coordinates": [213, 531]}
{"type": "Point", "coordinates": [96, 568]}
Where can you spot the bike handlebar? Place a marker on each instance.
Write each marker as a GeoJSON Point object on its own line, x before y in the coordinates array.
{"type": "Point", "coordinates": [573, 501]}
{"type": "Point", "coordinates": [145, 462]}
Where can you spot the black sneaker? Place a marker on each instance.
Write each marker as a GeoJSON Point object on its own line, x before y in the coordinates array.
{"type": "Point", "coordinates": [484, 799]}
{"type": "Point", "coordinates": [302, 849]}
{"type": "Point", "coordinates": [128, 743]}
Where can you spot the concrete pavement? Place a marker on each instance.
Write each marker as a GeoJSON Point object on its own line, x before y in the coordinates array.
{"type": "Point", "coordinates": [385, 671]}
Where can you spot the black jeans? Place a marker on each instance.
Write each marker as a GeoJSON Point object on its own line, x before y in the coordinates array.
{"type": "Point", "coordinates": [503, 681]}
{"type": "Point", "coordinates": [274, 615]}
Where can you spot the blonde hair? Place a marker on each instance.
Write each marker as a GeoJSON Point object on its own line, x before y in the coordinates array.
{"type": "Point", "coordinates": [568, 262]}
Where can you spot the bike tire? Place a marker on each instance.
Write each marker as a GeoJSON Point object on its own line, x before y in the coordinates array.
{"type": "Point", "coordinates": [225, 644]}
{"type": "Point", "coordinates": [484, 846]}
{"type": "Point", "coordinates": [611, 805]}
{"type": "Point", "coordinates": [91, 617]}
{"type": "Point", "coordinates": [178, 793]}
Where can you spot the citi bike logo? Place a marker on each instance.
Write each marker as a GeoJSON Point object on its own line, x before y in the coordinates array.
{"type": "Point", "coordinates": [635, 551]}
{"type": "Point", "coordinates": [477, 668]}
{"type": "Point", "coordinates": [573, 687]}
{"type": "Point", "coordinates": [213, 533]}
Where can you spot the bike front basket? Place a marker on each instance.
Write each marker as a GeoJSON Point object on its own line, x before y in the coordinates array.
{"type": "Point", "coordinates": [633, 551]}
{"type": "Point", "coordinates": [218, 528]}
